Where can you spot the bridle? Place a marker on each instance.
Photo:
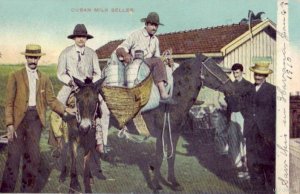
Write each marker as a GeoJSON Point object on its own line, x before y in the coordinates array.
{"type": "Point", "coordinates": [202, 77]}
{"type": "Point", "coordinates": [78, 116]}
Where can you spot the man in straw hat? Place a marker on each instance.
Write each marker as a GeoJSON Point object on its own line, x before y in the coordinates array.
{"type": "Point", "coordinates": [145, 40]}
{"type": "Point", "coordinates": [81, 62]}
{"type": "Point", "coordinates": [28, 94]}
{"type": "Point", "coordinates": [260, 127]}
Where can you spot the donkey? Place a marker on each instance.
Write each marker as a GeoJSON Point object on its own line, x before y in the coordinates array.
{"type": "Point", "coordinates": [189, 77]}
{"type": "Point", "coordinates": [82, 131]}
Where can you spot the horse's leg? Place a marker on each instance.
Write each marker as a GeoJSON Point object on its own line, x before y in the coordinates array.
{"type": "Point", "coordinates": [157, 164]}
{"type": "Point", "coordinates": [74, 184]}
{"type": "Point", "coordinates": [171, 162]}
{"type": "Point", "coordinates": [87, 173]}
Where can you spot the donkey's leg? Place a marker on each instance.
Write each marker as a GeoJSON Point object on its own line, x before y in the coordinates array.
{"type": "Point", "coordinates": [63, 162]}
{"type": "Point", "coordinates": [74, 184]}
{"type": "Point", "coordinates": [86, 173]}
{"type": "Point", "coordinates": [171, 161]}
{"type": "Point", "coordinates": [157, 164]}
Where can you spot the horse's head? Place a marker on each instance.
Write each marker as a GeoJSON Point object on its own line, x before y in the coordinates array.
{"type": "Point", "coordinates": [87, 103]}
{"type": "Point", "coordinates": [214, 77]}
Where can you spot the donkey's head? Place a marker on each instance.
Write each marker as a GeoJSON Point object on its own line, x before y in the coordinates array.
{"type": "Point", "coordinates": [87, 103]}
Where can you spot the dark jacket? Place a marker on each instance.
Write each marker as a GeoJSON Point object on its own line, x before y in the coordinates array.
{"type": "Point", "coordinates": [237, 102]}
{"type": "Point", "coordinates": [261, 110]}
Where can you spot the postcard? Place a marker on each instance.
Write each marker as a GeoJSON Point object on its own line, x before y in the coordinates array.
{"type": "Point", "coordinates": [148, 96]}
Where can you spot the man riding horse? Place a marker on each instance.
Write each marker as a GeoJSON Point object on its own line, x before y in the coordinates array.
{"type": "Point", "coordinates": [145, 41]}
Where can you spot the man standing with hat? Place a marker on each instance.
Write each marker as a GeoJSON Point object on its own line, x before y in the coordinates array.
{"type": "Point", "coordinates": [144, 40]}
{"type": "Point", "coordinates": [28, 94]}
{"type": "Point", "coordinates": [81, 62]}
{"type": "Point", "coordinates": [260, 117]}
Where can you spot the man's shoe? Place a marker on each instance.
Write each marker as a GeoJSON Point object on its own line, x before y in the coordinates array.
{"type": "Point", "coordinates": [168, 100]}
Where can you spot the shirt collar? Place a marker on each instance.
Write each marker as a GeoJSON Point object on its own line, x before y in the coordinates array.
{"type": "Point", "coordinates": [146, 34]}
{"type": "Point", "coordinates": [32, 72]}
{"type": "Point", "coordinates": [239, 80]}
{"type": "Point", "coordinates": [80, 49]}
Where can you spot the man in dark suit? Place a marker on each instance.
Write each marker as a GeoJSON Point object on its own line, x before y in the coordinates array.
{"type": "Point", "coordinates": [28, 94]}
{"type": "Point", "coordinates": [260, 117]}
{"type": "Point", "coordinates": [236, 110]}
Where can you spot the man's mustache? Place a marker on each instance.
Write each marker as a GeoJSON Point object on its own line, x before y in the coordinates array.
{"type": "Point", "coordinates": [32, 64]}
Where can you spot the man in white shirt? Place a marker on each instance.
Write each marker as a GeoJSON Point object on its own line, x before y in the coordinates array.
{"type": "Point", "coordinates": [145, 40]}
{"type": "Point", "coordinates": [28, 94]}
{"type": "Point", "coordinates": [81, 62]}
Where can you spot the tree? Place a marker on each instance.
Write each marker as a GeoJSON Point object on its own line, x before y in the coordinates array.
{"type": "Point", "coordinates": [252, 17]}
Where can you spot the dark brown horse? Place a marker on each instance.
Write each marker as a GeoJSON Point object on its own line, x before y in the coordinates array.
{"type": "Point", "coordinates": [188, 80]}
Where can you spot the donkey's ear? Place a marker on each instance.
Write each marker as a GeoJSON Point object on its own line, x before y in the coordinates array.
{"type": "Point", "coordinates": [98, 84]}
{"type": "Point", "coordinates": [78, 82]}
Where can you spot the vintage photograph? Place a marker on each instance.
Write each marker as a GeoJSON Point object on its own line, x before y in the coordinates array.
{"type": "Point", "coordinates": [171, 96]}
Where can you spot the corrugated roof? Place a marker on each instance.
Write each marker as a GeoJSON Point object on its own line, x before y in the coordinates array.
{"type": "Point", "coordinates": [204, 40]}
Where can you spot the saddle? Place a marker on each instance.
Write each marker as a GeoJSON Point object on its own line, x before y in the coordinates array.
{"type": "Point", "coordinates": [127, 103]}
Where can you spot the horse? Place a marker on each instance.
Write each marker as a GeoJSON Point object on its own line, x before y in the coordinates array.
{"type": "Point", "coordinates": [82, 131]}
{"type": "Point", "coordinates": [189, 77]}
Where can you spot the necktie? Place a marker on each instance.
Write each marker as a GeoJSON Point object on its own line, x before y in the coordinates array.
{"type": "Point", "coordinates": [79, 57]}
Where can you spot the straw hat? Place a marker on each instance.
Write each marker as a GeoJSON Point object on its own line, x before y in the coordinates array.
{"type": "Point", "coordinates": [261, 65]}
{"type": "Point", "coordinates": [33, 50]}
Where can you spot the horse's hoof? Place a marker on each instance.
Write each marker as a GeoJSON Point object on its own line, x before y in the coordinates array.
{"type": "Point", "coordinates": [99, 175]}
{"type": "Point", "coordinates": [88, 190]}
{"type": "Point", "coordinates": [177, 187]}
{"type": "Point", "coordinates": [157, 188]}
{"type": "Point", "coordinates": [63, 176]}
{"type": "Point", "coordinates": [75, 186]}
{"type": "Point", "coordinates": [62, 179]}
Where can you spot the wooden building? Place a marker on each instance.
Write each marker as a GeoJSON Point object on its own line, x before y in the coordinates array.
{"type": "Point", "coordinates": [227, 44]}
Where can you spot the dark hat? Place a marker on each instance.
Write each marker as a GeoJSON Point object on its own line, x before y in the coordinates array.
{"type": "Point", "coordinates": [80, 30]}
{"type": "Point", "coordinates": [152, 17]}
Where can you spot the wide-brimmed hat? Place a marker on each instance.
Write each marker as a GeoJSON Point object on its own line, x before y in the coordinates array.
{"type": "Point", "coordinates": [80, 30]}
{"type": "Point", "coordinates": [152, 17]}
{"type": "Point", "coordinates": [33, 50]}
{"type": "Point", "coordinates": [261, 65]}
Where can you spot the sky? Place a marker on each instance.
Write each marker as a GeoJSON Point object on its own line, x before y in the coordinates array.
{"type": "Point", "coordinates": [48, 23]}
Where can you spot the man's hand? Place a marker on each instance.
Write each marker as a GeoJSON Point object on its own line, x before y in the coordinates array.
{"type": "Point", "coordinates": [128, 58]}
{"type": "Point", "coordinates": [72, 84]}
{"type": "Point", "coordinates": [11, 133]}
{"type": "Point", "coordinates": [100, 148]}
{"type": "Point", "coordinates": [121, 53]}
{"type": "Point", "coordinates": [71, 111]}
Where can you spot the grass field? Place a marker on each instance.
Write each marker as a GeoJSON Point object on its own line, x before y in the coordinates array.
{"type": "Point", "coordinates": [198, 168]}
